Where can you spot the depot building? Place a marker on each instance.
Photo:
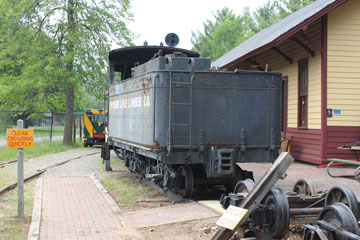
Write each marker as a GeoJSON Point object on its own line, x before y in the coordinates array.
{"type": "Point", "coordinates": [317, 49]}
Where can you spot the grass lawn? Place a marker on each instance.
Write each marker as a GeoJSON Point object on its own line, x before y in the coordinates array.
{"type": "Point", "coordinates": [43, 131]}
{"type": "Point", "coordinates": [7, 154]}
{"type": "Point", "coordinates": [12, 227]}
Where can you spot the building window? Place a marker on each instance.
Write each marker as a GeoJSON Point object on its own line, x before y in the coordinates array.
{"type": "Point", "coordinates": [303, 93]}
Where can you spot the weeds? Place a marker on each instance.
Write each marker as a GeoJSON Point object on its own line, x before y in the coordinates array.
{"type": "Point", "coordinates": [12, 227]}
{"type": "Point", "coordinates": [126, 190]}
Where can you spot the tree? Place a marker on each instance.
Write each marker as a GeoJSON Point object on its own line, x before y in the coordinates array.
{"type": "Point", "coordinates": [294, 5]}
{"type": "Point", "coordinates": [200, 40]}
{"type": "Point", "coordinates": [223, 33]}
{"type": "Point", "coordinates": [82, 32]}
{"type": "Point", "coordinates": [228, 30]}
{"type": "Point", "coordinates": [28, 81]}
{"type": "Point", "coordinates": [268, 14]}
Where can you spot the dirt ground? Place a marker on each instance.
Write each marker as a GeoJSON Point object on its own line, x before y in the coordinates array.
{"type": "Point", "coordinates": [150, 198]}
{"type": "Point", "coordinates": [196, 229]}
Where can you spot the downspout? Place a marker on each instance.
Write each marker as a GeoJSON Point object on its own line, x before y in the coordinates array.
{"type": "Point", "coordinates": [324, 37]}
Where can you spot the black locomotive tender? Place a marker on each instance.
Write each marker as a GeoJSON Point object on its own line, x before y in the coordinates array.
{"type": "Point", "coordinates": [178, 122]}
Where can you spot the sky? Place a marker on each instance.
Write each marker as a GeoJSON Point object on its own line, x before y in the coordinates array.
{"type": "Point", "coordinates": [153, 19]}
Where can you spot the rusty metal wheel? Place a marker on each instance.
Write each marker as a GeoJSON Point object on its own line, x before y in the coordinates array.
{"type": "Point", "coordinates": [357, 174]}
{"type": "Point", "coordinates": [345, 196]}
{"type": "Point", "coordinates": [340, 215]}
{"type": "Point", "coordinates": [305, 187]}
{"type": "Point", "coordinates": [185, 181]}
{"type": "Point", "coordinates": [276, 199]}
{"type": "Point", "coordinates": [244, 186]}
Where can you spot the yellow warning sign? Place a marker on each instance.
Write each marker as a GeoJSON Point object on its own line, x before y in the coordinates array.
{"type": "Point", "coordinates": [231, 217]}
{"type": "Point", "coordinates": [20, 138]}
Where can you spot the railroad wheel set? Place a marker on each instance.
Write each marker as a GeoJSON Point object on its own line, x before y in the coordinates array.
{"type": "Point", "coordinates": [337, 211]}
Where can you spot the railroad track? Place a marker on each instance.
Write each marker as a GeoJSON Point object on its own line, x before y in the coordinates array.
{"type": "Point", "coordinates": [4, 164]}
{"type": "Point", "coordinates": [40, 171]}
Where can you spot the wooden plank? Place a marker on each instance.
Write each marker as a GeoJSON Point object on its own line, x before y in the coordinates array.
{"type": "Point", "coordinates": [166, 215]}
{"type": "Point", "coordinates": [340, 65]}
{"type": "Point", "coordinates": [307, 158]}
{"type": "Point", "coordinates": [343, 129]}
{"type": "Point", "coordinates": [335, 27]}
{"type": "Point", "coordinates": [308, 141]}
{"type": "Point", "coordinates": [340, 101]}
{"type": "Point", "coordinates": [343, 123]}
{"type": "Point", "coordinates": [307, 131]}
{"type": "Point", "coordinates": [343, 134]}
{"type": "Point", "coordinates": [306, 151]}
{"type": "Point", "coordinates": [334, 142]}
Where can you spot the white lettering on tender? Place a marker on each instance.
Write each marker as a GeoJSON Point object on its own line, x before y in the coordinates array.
{"type": "Point", "coordinates": [114, 104]}
{"type": "Point", "coordinates": [135, 102]}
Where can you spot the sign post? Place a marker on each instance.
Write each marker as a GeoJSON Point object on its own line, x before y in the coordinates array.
{"type": "Point", "coordinates": [20, 138]}
{"type": "Point", "coordinates": [20, 158]}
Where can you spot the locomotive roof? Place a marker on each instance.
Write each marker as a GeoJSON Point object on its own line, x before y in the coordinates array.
{"type": "Point", "coordinates": [128, 56]}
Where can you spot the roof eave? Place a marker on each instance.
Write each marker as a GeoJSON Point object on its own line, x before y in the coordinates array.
{"type": "Point", "coordinates": [287, 35]}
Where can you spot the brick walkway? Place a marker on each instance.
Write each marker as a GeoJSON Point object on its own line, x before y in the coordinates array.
{"type": "Point", "coordinates": [73, 208]}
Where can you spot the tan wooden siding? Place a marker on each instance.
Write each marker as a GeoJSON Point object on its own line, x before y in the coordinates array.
{"type": "Point", "coordinates": [278, 64]}
{"type": "Point", "coordinates": [343, 64]}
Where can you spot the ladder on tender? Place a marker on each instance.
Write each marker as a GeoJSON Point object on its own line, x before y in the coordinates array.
{"type": "Point", "coordinates": [187, 104]}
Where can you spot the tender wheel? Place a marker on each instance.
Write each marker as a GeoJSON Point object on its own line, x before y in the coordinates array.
{"type": "Point", "coordinates": [277, 200]}
{"type": "Point", "coordinates": [305, 187]}
{"type": "Point", "coordinates": [244, 186]}
{"type": "Point", "coordinates": [343, 195]}
{"type": "Point", "coordinates": [185, 181]}
{"type": "Point", "coordinates": [340, 215]}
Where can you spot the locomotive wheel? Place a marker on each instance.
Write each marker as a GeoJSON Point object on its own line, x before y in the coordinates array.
{"type": "Point", "coordinates": [340, 215]}
{"type": "Point", "coordinates": [244, 186]}
{"type": "Point", "coordinates": [277, 200]}
{"type": "Point", "coordinates": [305, 187]}
{"type": "Point", "coordinates": [343, 195]}
{"type": "Point", "coordinates": [185, 181]}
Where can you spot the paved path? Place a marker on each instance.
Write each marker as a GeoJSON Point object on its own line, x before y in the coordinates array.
{"type": "Point", "coordinates": [74, 208]}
